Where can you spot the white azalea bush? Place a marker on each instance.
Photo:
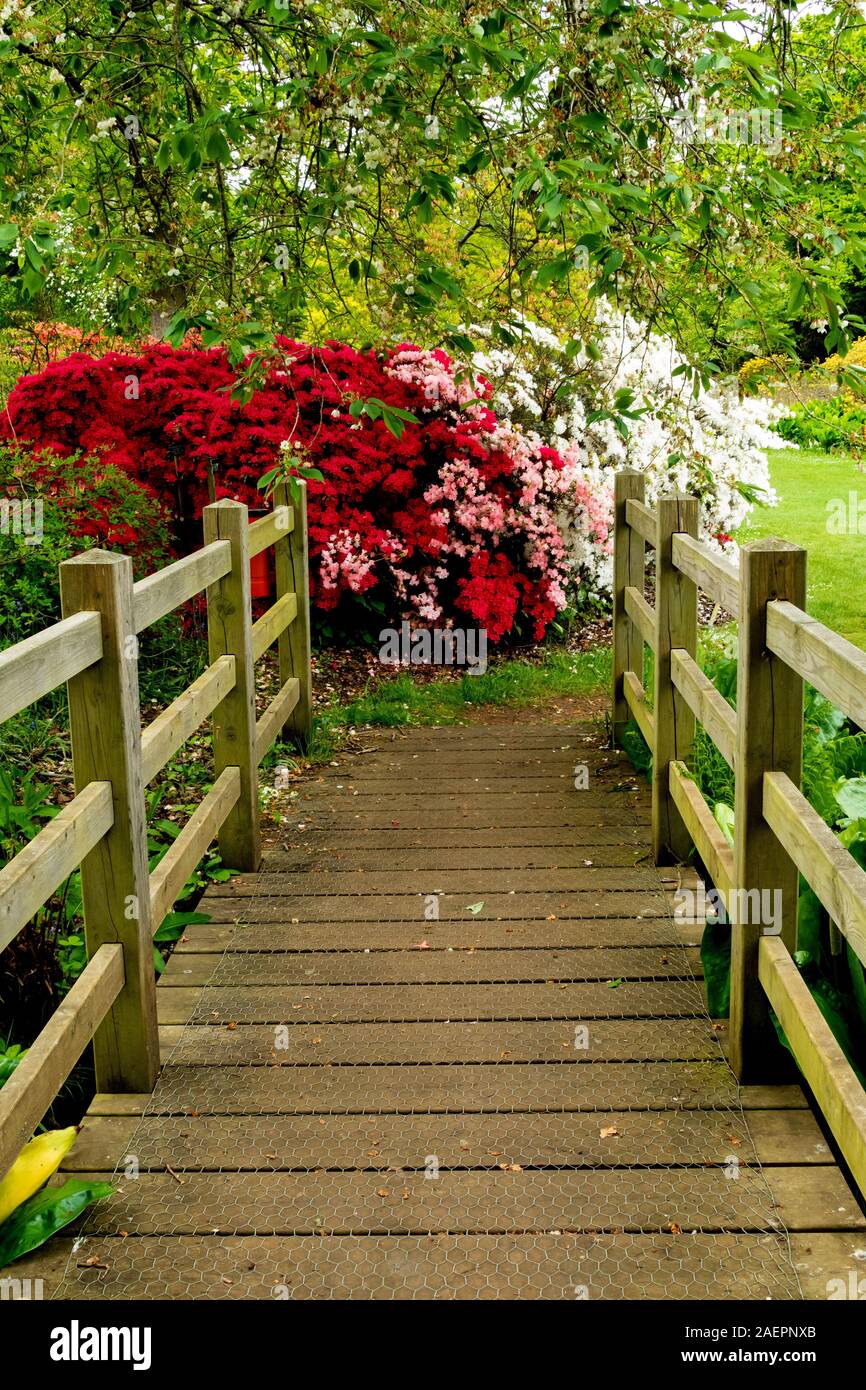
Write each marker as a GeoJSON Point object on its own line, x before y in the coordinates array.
{"type": "Point", "coordinates": [633, 405]}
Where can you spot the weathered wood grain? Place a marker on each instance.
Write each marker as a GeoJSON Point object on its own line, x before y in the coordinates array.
{"type": "Point", "coordinates": [29, 879]}
{"type": "Point", "coordinates": [105, 730]}
{"type": "Point", "coordinates": [628, 570]}
{"type": "Point", "coordinates": [769, 739]}
{"type": "Point", "coordinates": [33, 1085]}
{"type": "Point", "coordinates": [234, 718]}
{"type": "Point", "coordinates": [32, 668]}
{"type": "Point", "coordinates": [170, 587]}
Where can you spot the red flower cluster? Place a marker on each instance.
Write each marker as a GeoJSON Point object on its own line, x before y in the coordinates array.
{"type": "Point", "coordinates": [94, 502]}
{"type": "Point", "coordinates": [451, 521]}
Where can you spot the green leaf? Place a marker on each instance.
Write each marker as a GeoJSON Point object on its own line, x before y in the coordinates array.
{"type": "Point", "coordinates": [723, 815]}
{"type": "Point", "coordinates": [552, 272]}
{"type": "Point", "coordinates": [175, 923]}
{"type": "Point", "coordinates": [186, 149]}
{"type": "Point", "coordinates": [217, 148]}
{"type": "Point", "coordinates": [267, 480]}
{"type": "Point", "coordinates": [797, 297]}
{"type": "Point", "coordinates": [164, 154]}
{"type": "Point", "coordinates": [850, 792]}
{"type": "Point", "coordinates": [44, 1215]}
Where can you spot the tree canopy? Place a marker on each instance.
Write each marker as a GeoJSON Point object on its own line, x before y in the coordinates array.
{"type": "Point", "coordinates": [391, 166]}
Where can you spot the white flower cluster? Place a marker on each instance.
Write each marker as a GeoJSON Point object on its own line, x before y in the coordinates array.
{"type": "Point", "coordinates": [710, 444]}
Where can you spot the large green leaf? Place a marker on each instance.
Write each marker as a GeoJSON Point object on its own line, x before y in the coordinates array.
{"type": "Point", "coordinates": [44, 1215]}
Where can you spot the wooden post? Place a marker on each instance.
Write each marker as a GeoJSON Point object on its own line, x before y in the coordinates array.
{"type": "Point", "coordinates": [229, 627]}
{"type": "Point", "coordinates": [293, 576]}
{"type": "Point", "coordinates": [628, 568]}
{"type": "Point", "coordinates": [769, 739]}
{"type": "Point", "coordinates": [105, 724]}
{"type": "Point", "coordinates": [676, 627]}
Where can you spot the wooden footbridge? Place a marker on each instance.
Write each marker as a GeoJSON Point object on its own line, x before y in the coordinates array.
{"type": "Point", "coordinates": [448, 1039]}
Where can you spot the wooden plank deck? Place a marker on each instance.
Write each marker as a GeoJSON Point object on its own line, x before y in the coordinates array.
{"type": "Point", "coordinates": [520, 1096]}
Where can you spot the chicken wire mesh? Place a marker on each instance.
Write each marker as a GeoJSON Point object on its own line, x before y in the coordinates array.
{"type": "Point", "coordinates": [524, 1101]}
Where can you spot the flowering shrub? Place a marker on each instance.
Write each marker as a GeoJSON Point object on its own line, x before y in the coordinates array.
{"type": "Point", "coordinates": [854, 357]}
{"type": "Point", "coordinates": [52, 509]}
{"type": "Point", "coordinates": [633, 407]}
{"type": "Point", "coordinates": [29, 349]}
{"type": "Point", "coordinates": [49, 340]}
{"type": "Point", "coordinates": [757, 373]}
{"type": "Point", "coordinates": [456, 519]}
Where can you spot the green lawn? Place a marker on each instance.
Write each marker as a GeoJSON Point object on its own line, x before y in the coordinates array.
{"type": "Point", "coordinates": [806, 482]}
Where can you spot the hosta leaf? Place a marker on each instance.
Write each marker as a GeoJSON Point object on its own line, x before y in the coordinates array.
{"type": "Point", "coordinates": [44, 1215]}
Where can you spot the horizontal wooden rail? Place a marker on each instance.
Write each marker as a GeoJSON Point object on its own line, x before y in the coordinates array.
{"type": "Point", "coordinates": [635, 697]}
{"type": "Point", "coordinates": [29, 879]}
{"type": "Point", "coordinates": [34, 1083]}
{"type": "Point", "coordinates": [274, 623]}
{"type": "Point", "coordinates": [641, 614]}
{"type": "Point", "coordinates": [837, 1090]}
{"type": "Point", "coordinates": [162, 738]}
{"type": "Point", "coordinates": [712, 573]}
{"type": "Point", "coordinates": [275, 716]}
{"type": "Point", "coordinates": [270, 529]}
{"type": "Point", "coordinates": [698, 819]}
{"type": "Point", "coordinates": [709, 707]}
{"type": "Point", "coordinates": [642, 519]}
{"type": "Point", "coordinates": [833, 873]}
{"type": "Point", "coordinates": [173, 870]}
{"type": "Point", "coordinates": [172, 586]}
{"type": "Point", "coordinates": [36, 666]}
{"type": "Point", "coordinates": [833, 665]}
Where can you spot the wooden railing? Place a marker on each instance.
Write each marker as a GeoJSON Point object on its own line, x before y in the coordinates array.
{"type": "Point", "coordinates": [777, 833]}
{"type": "Point", "coordinates": [94, 649]}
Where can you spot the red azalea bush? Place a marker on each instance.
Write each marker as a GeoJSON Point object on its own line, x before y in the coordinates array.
{"type": "Point", "coordinates": [53, 508]}
{"type": "Point", "coordinates": [455, 521]}
{"type": "Point", "coordinates": [95, 503]}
